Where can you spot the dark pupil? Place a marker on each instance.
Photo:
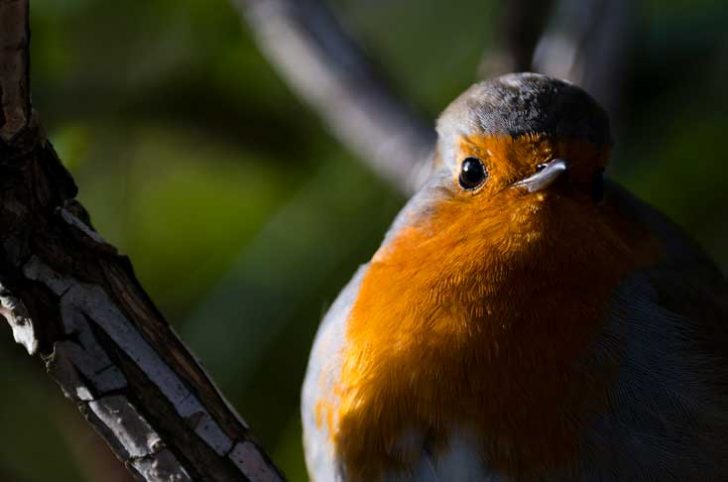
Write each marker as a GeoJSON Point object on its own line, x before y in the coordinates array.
{"type": "Point", "coordinates": [472, 173]}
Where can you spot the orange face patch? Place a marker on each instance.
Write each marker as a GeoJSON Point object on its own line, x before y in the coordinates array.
{"type": "Point", "coordinates": [478, 318]}
{"type": "Point", "coordinates": [509, 160]}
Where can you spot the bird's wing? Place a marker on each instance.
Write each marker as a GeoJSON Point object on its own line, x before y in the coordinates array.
{"type": "Point", "coordinates": [687, 282]}
{"type": "Point", "coordinates": [669, 406]}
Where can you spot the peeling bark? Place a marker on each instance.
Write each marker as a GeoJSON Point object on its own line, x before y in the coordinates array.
{"type": "Point", "coordinates": [70, 297]}
{"type": "Point", "coordinates": [14, 60]}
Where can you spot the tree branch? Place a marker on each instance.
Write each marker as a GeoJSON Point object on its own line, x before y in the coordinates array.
{"type": "Point", "coordinates": [325, 66]}
{"type": "Point", "coordinates": [516, 36]}
{"type": "Point", "coordinates": [14, 65]}
{"type": "Point", "coordinates": [583, 42]}
{"type": "Point", "coordinates": [586, 42]}
{"type": "Point", "coordinates": [70, 297]}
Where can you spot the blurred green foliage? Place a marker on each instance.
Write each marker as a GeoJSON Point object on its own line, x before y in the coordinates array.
{"type": "Point", "coordinates": [243, 217]}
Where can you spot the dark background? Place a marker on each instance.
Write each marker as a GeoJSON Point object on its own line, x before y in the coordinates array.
{"type": "Point", "coordinates": [244, 217]}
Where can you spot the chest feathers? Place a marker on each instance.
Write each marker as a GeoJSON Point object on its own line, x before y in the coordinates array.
{"type": "Point", "coordinates": [488, 334]}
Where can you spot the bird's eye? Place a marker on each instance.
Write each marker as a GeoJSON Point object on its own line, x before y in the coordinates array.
{"type": "Point", "coordinates": [541, 167]}
{"type": "Point", "coordinates": [472, 173]}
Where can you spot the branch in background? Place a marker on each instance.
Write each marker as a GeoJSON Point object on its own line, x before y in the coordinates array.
{"type": "Point", "coordinates": [586, 42]}
{"type": "Point", "coordinates": [517, 34]}
{"type": "Point", "coordinates": [325, 67]}
{"type": "Point", "coordinates": [70, 297]}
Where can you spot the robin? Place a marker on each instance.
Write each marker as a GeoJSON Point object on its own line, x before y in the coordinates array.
{"type": "Point", "coordinates": [523, 319]}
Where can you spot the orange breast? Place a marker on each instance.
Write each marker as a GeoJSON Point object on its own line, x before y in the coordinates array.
{"type": "Point", "coordinates": [479, 319]}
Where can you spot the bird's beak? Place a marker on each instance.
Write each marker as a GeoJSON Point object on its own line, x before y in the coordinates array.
{"type": "Point", "coordinates": [548, 173]}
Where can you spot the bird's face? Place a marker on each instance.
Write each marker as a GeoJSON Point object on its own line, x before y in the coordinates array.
{"type": "Point", "coordinates": [512, 181]}
{"type": "Point", "coordinates": [505, 169]}
{"type": "Point", "coordinates": [518, 169]}
{"type": "Point", "coordinates": [513, 151]}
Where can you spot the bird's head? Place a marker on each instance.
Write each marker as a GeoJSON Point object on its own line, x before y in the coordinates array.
{"type": "Point", "coordinates": [517, 171]}
{"type": "Point", "coordinates": [522, 133]}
